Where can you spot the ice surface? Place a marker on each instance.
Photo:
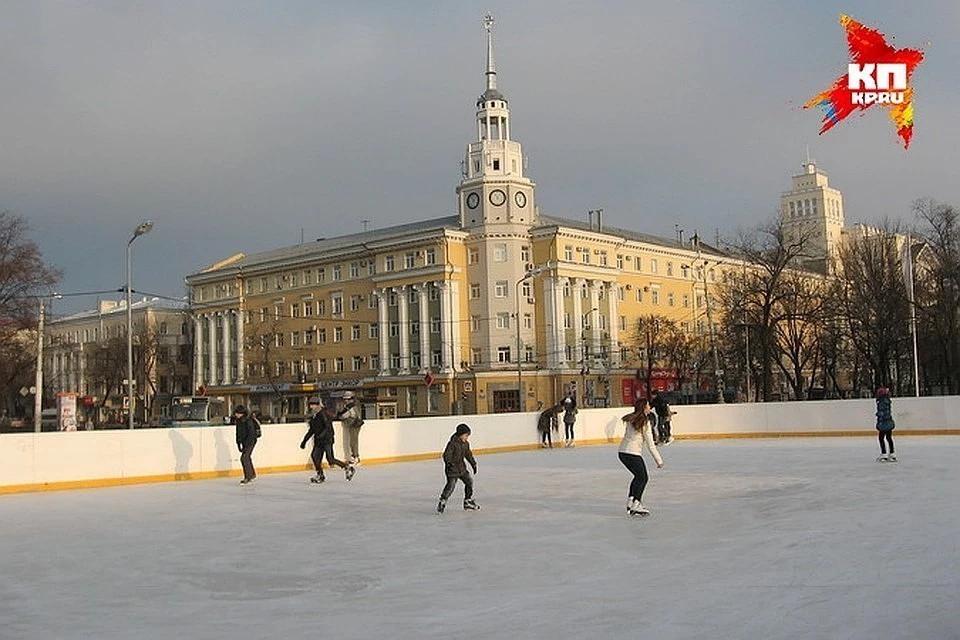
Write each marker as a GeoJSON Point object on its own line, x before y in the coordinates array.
{"type": "Point", "coordinates": [765, 539]}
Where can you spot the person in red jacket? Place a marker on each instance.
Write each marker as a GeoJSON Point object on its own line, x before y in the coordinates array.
{"type": "Point", "coordinates": [455, 457]}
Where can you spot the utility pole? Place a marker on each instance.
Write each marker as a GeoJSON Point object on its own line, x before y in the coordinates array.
{"type": "Point", "coordinates": [717, 371]}
{"type": "Point", "coordinates": [38, 380]}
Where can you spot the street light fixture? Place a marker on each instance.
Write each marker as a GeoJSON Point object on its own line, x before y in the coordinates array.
{"type": "Point", "coordinates": [143, 228]}
{"type": "Point", "coordinates": [527, 276]}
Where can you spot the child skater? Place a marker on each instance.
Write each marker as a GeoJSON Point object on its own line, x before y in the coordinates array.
{"type": "Point", "coordinates": [455, 457]}
{"type": "Point", "coordinates": [639, 430]}
{"type": "Point", "coordinates": [546, 423]}
{"type": "Point", "coordinates": [885, 425]}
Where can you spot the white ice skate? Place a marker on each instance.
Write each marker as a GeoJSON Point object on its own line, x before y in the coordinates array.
{"type": "Point", "coordinates": [882, 457]}
{"type": "Point", "coordinates": [349, 472]}
{"type": "Point", "coordinates": [639, 510]}
{"type": "Point", "coordinates": [892, 457]}
{"type": "Point", "coordinates": [470, 505]}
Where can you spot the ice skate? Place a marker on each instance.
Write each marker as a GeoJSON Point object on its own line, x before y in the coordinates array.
{"type": "Point", "coordinates": [349, 472]}
{"type": "Point", "coordinates": [639, 510]}
{"type": "Point", "coordinates": [441, 506]}
{"type": "Point", "coordinates": [892, 457]}
{"type": "Point", "coordinates": [470, 505]}
{"type": "Point", "coordinates": [246, 481]}
{"type": "Point", "coordinates": [882, 457]}
{"type": "Point", "coordinates": [317, 479]}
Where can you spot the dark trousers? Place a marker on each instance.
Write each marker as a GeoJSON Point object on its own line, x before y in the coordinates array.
{"type": "Point", "coordinates": [888, 437]}
{"type": "Point", "coordinates": [638, 468]}
{"type": "Point", "coordinates": [321, 449]}
{"type": "Point", "coordinates": [568, 430]}
{"type": "Point", "coordinates": [546, 438]}
{"type": "Point", "coordinates": [663, 430]}
{"type": "Point", "coordinates": [452, 483]}
{"type": "Point", "coordinates": [246, 461]}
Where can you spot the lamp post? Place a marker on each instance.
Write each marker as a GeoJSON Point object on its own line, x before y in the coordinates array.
{"type": "Point", "coordinates": [717, 371]}
{"type": "Point", "coordinates": [143, 228]}
{"type": "Point", "coordinates": [528, 275]}
{"type": "Point", "coordinates": [38, 377]}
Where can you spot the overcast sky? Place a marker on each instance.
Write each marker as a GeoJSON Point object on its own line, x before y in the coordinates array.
{"type": "Point", "coordinates": [242, 126]}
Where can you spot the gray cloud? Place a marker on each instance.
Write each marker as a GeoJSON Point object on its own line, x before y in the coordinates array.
{"type": "Point", "coordinates": [239, 126]}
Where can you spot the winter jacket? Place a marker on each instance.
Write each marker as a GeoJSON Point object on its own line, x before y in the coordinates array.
{"type": "Point", "coordinates": [350, 416]}
{"type": "Point", "coordinates": [454, 455]}
{"type": "Point", "coordinates": [321, 430]}
{"type": "Point", "coordinates": [570, 415]}
{"type": "Point", "coordinates": [246, 431]}
{"type": "Point", "coordinates": [884, 414]}
{"type": "Point", "coordinates": [634, 439]}
{"type": "Point", "coordinates": [661, 407]}
{"type": "Point", "coordinates": [547, 420]}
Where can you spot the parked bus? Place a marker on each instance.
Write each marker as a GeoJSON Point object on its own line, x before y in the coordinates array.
{"type": "Point", "coordinates": [198, 411]}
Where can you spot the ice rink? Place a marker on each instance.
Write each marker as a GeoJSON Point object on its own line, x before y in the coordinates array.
{"type": "Point", "coordinates": [758, 539]}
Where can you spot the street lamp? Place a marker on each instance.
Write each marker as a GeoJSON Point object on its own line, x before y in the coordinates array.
{"type": "Point", "coordinates": [38, 374]}
{"type": "Point", "coordinates": [717, 371]}
{"type": "Point", "coordinates": [526, 276]}
{"type": "Point", "coordinates": [143, 228]}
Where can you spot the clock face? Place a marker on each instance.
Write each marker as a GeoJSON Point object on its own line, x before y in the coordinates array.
{"type": "Point", "coordinates": [497, 197]}
{"type": "Point", "coordinates": [473, 200]}
{"type": "Point", "coordinates": [520, 198]}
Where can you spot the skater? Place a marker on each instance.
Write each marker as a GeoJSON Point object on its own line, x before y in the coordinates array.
{"type": "Point", "coordinates": [885, 425]}
{"type": "Point", "coordinates": [662, 433]}
{"type": "Point", "coordinates": [569, 419]}
{"type": "Point", "coordinates": [546, 424]}
{"type": "Point", "coordinates": [247, 433]}
{"type": "Point", "coordinates": [639, 430]}
{"type": "Point", "coordinates": [350, 418]}
{"type": "Point", "coordinates": [455, 457]}
{"type": "Point", "coordinates": [321, 430]}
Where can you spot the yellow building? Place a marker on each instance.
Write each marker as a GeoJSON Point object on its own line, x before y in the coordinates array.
{"type": "Point", "coordinates": [497, 308]}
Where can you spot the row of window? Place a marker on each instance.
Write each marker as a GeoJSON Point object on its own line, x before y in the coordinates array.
{"type": "Point", "coordinates": [499, 253]}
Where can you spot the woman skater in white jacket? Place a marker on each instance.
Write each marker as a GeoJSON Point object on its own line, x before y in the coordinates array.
{"type": "Point", "coordinates": [639, 430]}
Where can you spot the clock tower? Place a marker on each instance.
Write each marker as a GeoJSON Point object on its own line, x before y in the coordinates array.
{"type": "Point", "coordinates": [497, 208]}
{"type": "Point", "coordinates": [493, 189]}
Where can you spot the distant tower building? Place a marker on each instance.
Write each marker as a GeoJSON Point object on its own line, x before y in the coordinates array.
{"type": "Point", "coordinates": [815, 209]}
{"type": "Point", "coordinates": [497, 208]}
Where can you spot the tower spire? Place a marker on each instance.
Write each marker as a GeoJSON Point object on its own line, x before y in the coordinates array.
{"type": "Point", "coordinates": [491, 69]}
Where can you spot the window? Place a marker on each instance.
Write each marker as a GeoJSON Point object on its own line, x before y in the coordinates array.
{"type": "Point", "coordinates": [474, 323]}
{"type": "Point", "coordinates": [354, 303]}
{"type": "Point", "coordinates": [338, 334]}
{"type": "Point", "coordinates": [528, 353]}
{"type": "Point", "coordinates": [356, 362]}
{"type": "Point", "coordinates": [308, 276]}
{"type": "Point", "coordinates": [476, 356]}
{"type": "Point", "coordinates": [435, 359]}
{"type": "Point", "coordinates": [621, 294]}
{"type": "Point", "coordinates": [354, 269]}
{"type": "Point", "coordinates": [500, 289]}
{"type": "Point", "coordinates": [653, 266]}
{"type": "Point", "coordinates": [372, 268]}
{"type": "Point", "coordinates": [394, 329]}
{"type": "Point", "coordinates": [409, 260]}
{"type": "Point", "coordinates": [321, 336]}
{"type": "Point", "coordinates": [619, 261]}
{"type": "Point", "coordinates": [568, 253]}
{"type": "Point", "coordinates": [337, 364]}
{"type": "Point", "coordinates": [503, 321]}
{"type": "Point", "coordinates": [434, 293]}
{"type": "Point", "coordinates": [395, 361]}
{"type": "Point", "coordinates": [638, 264]}
{"type": "Point", "coordinates": [566, 321]}
{"type": "Point", "coordinates": [388, 263]}
{"type": "Point", "coordinates": [374, 362]}
{"type": "Point", "coordinates": [434, 325]}
{"type": "Point", "coordinates": [295, 339]}
{"type": "Point", "coordinates": [355, 332]}
{"type": "Point", "coordinates": [527, 321]}
{"type": "Point", "coordinates": [277, 313]}
{"type": "Point", "coordinates": [307, 308]}
{"type": "Point", "coordinates": [414, 296]}
{"type": "Point", "coordinates": [337, 273]}
{"type": "Point", "coordinates": [686, 300]}
{"type": "Point", "coordinates": [526, 289]}
{"type": "Point", "coordinates": [473, 256]}
{"type": "Point", "coordinates": [603, 258]}
{"type": "Point", "coordinates": [322, 365]}
{"type": "Point", "coordinates": [336, 304]}
{"type": "Point", "coordinates": [308, 336]}
{"type": "Point", "coordinates": [414, 328]}
{"type": "Point", "coordinates": [371, 301]}
{"type": "Point", "coordinates": [670, 300]}
{"type": "Point", "coordinates": [669, 268]}
{"type": "Point", "coordinates": [499, 253]}
{"type": "Point", "coordinates": [655, 296]}
{"type": "Point", "coordinates": [430, 256]}
{"type": "Point", "coordinates": [373, 331]}
{"type": "Point", "coordinates": [639, 294]}
{"type": "Point", "coordinates": [566, 289]}
{"type": "Point", "coordinates": [474, 290]}
{"type": "Point", "coordinates": [263, 285]}
{"type": "Point", "coordinates": [503, 354]}
{"type": "Point", "coordinates": [321, 275]}
{"type": "Point", "coordinates": [585, 256]}
{"type": "Point", "coordinates": [623, 323]}
{"type": "Point", "coordinates": [525, 254]}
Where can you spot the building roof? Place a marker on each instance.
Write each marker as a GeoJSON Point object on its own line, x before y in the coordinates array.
{"type": "Point", "coordinates": [111, 307]}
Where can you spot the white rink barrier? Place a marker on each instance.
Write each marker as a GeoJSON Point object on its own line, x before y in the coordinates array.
{"type": "Point", "coordinates": [65, 460]}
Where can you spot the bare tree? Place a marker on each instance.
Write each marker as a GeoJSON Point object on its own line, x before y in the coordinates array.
{"type": "Point", "coordinates": [24, 277]}
{"type": "Point", "coordinates": [874, 298]}
{"type": "Point", "coordinates": [799, 328]}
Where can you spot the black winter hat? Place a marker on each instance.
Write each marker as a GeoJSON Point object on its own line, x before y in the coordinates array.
{"type": "Point", "coordinates": [462, 429]}
{"type": "Point", "coordinates": [240, 409]}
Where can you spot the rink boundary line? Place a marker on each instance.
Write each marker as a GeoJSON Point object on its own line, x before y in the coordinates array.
{"type": "Point", "coordinates": [95, 483]}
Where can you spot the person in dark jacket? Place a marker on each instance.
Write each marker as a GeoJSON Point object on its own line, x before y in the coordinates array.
{"type": "Point", "coordinates": [455, 457]}
{"type": "Point", "coordinates": [661, 434]}
{"type": "Point", "coordinates": [885, 425]}
{"type": "Point", "coordinates": [321, 430]}
{"type": "Point", "coordinates": [569, 419]}
{"type": "Point", "coordinates": [547, 423]}
{"type": "Point", "coordinates": [246, 441]}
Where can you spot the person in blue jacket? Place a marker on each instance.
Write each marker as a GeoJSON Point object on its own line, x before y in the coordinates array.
{"type": "Point", "coordinates": [885, 425]}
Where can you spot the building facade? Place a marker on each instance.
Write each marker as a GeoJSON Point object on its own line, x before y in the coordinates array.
{"type": "Point", "coordinates": [86, 354]}
{"type": "Point", "coordinates": [497, 308]}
